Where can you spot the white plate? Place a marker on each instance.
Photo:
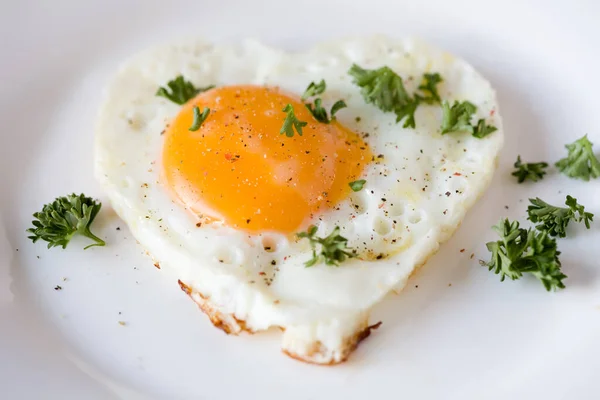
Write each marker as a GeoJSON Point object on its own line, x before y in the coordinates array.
{"type": "Point", "coordinates": [461, 334]}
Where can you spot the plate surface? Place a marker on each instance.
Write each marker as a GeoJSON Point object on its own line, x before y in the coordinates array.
{"type": "Point", "coordinates": [456, 332]}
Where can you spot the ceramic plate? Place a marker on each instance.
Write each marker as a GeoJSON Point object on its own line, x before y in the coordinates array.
{"type": "Point", "coordinates": [456, 332]}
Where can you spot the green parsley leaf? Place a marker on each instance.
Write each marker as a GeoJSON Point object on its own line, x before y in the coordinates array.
{"type": "Point", "coordinates": [458, 117]}
{"type": "Point", "coordinates": [407, 110]}
{"type": "Point", "coordinates": [555, 220]}
{"type": "Point", "coordinates": [531, 171]}
{"type": "Point", "coordinates": [320, 113]}
{"type": "Point", "coordinates": [482, 130]}
{"type": "Point", "coordinates": [181, 90]}
{"type": "Point", "coordinates": [314, 89]}
{"type": "Point", "coordinates": [64, 217]}
{"type": "Point", "coordinates": [521, 251]}
{"type": "Point", "coordinates": [337, 106]}
{"type": "Point", "coordinates": [381, 87]}
{"type": "Point", "coordinates": [357, 186]}
{"type": "Point", "coordinates": [580, 163]}
{"type": "Point", "coordinates": [199, 118]}
{"type": "Point", "coordinates": [429, 87]}
{"type": "Point", "coordinates": [291, 122]}
{"type": "Point", "coordinates": [334, 249]}
{"type": "Point", "coordinates": [384, 88]}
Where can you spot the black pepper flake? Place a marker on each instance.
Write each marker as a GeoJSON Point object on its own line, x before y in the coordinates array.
{"type": "Point", "coordinates": [448, 194]}
{"type": "Point", "coordinates": [118, 228]}
{"type": "Point", "coordinates": [58, 287]}
{"type": "Point", "coordinates": [273, 262]}
{"type": "Point", "coordinates": [248, 221]}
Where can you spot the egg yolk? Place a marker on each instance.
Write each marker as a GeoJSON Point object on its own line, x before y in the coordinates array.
{"type": "Point", "coordinates": [239, 169]}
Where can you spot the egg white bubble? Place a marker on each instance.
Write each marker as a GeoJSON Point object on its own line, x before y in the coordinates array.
{"type": "Point", "coordinates": [419, 186]}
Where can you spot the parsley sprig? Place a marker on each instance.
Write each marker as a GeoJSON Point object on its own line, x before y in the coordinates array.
{"type": "Point", "coordinates": [66, 216]}
{"type": "Point", "coordinates": [320, 113]}
{"type": "Point", "coordinates": [531, 171]}
{"type": "Point", "coordinates": [580, 163]}
{"type": "Point", "coordinates": [429, 87]}
{"type": "Point", "coordinates": [521, 251]}
{"type": "Point", "coordinates": [357, 186]}
{"type": "Point", "coordinates": [555, 220]}
{"type": "Point", "coordinates": [314, 89]}
{"type": "Point", "coordinates": [333, 251]}
{"type": "Point", "coordinates": [381, 87]}
{"type": "Point", "coordinates": [384, 88]}
{"type": "Point", "coordinates": [317, 109]}
{"type": "Point", "coordinates": [457, 118]}
{"type": "Point", "coordinates": [199, 118]}
{"type": "Point", "coordinates": [180, 90]}
{"type": "Point", "coordinates": [291, 122]}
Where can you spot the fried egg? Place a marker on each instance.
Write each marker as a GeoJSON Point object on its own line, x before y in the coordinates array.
{"type": "Point", "coordinates": [218, 208]}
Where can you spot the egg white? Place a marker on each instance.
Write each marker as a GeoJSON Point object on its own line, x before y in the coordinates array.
{"type": "Point", "coordinates": [418, 189]}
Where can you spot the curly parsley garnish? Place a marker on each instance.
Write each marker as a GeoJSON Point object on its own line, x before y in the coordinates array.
{"type": "Point", "coordinates": [181, 90]}
{"type": "Point", "coordinates": [64, 217]}
{"type": "Point", "coordinates": [357, 186]}
{"type": "Point", "coordinates": [291, 122]}
{"type": "Point", "coordinates": [334, 249]}
{"type": "Point", "coordinates": [580, 163]}
{"type": "Point", "coordinates": [337, 106]}
{"type": "Point", "coordinates": [384, 88]}
{"type": "Point", "coordinates": [314, 89]}
{"type": "Point", "coordinates": [381, 87]}
{"type": "Point", "coordinates": [531, 171]}
{"type": "Point", "coordinates": [199, 118]}
{"type": "Point", "coordinates": [407, 111]}
{"type": "Point", "coordinates": [521, 251]}
{"type": "Point", "coordinates": [429, 87]}
{"type": "Point", "coordinates": [317, 110]}
{"type": "Point", "coordinates": [320, 113]}
{"type": "Point", "coordinates": [482, 129]}
{"type": "Point", "coordinates": [458, 119]}
{"type": "Point", "coordinates": [554, 219]}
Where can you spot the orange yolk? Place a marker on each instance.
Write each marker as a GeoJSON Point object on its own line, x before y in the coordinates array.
{"type": "Point", "coordinates": [238, 168]}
